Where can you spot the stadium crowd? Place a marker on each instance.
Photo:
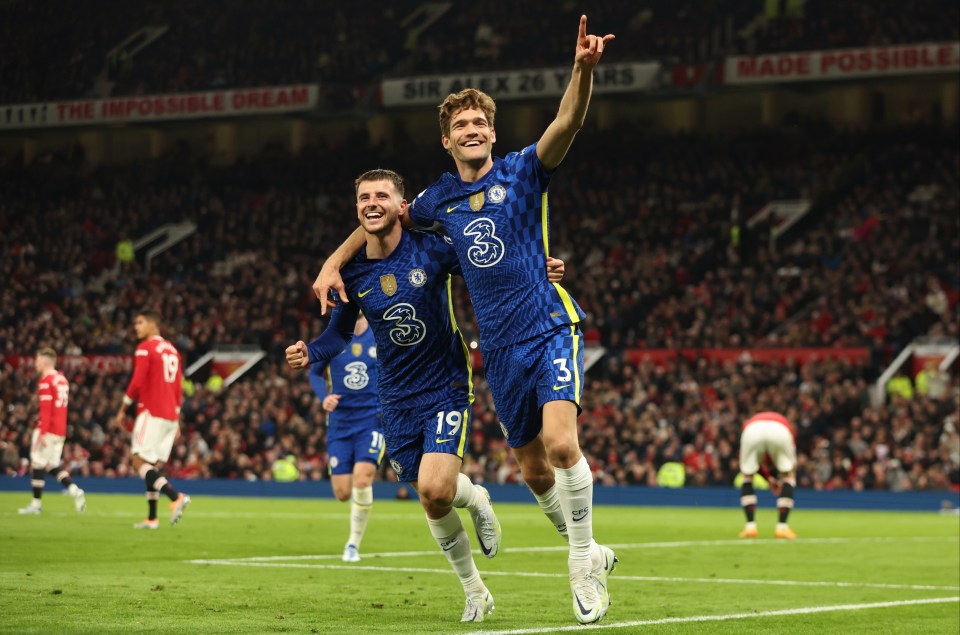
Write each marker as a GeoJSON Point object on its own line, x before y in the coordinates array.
{"type": "Point", "coordinates": [653, 264]}
{"type": "Point", "coordinates": [875, 265]}
{"type": "Point", "coordinates": [637, 417]}
{"type": "Point", "coordinates": [341, 47]}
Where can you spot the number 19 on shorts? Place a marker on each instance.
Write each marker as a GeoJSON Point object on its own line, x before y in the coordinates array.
{"type": "Point", "coordinates": [453, 420]}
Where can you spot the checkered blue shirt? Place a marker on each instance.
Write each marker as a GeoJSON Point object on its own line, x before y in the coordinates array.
{"type": "Point", "coordinates": [406, 297]}
{"type": "Point", "coordinates": [500, 229]}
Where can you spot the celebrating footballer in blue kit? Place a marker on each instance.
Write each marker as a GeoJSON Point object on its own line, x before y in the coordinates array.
{"type": "Point", "coordinates": [406, 300]}
{"type": "Point", "coordinates": [347, 389]}
{"type": "Point", "coordinates": [401, 282]}
{"type": "Point", "coordinates": [492, 222]}
{"type": "Point", "coordinates": [497, 216]}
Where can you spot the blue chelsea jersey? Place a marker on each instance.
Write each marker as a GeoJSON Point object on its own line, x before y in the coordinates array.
{"type": "Point", "coordinates": [406, 298]}
{"type": "Point", "coordinates": [353, 375]}
{"type": "Point", "coordinates": [500, 230]}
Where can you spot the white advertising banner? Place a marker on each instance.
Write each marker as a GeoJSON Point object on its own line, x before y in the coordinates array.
{"type": "Point", "coordinates": [144, 108]}
{"type": "Point", "coordinates": [543, 82]}
{"type": "Point", "coordinates": [906, 59]}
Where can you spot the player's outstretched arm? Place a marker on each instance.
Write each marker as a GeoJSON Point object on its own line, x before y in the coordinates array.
{"type": "Point", "coordinates": [329, 277]}
{"type": "Point", "coordinates": [558, 137]}
{"type": "Point", "coordinates": [555, 269]}
{"type": "Point", "coordinates": [330, 343]}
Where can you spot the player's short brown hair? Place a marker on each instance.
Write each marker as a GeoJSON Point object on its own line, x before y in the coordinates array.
{"type": "Point", "coordinates": [48, 352]}
{"type": "Point", "coordinates": [466, 98]}
{"type": "Point", "coordinates": [153, 315]}
{"type": "Point", "coordinates": [380, 175]}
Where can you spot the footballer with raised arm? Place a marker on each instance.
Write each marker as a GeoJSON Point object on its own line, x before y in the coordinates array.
{"type": "Point", "coordinates": [496, 212]}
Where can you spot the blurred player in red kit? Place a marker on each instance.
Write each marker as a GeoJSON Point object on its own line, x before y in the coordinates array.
{"type": "Point", "coordinates": [768, 436]}
{"type": "Point", "coordinates": [50, 432]}
{"type": "Point", "coordinates": [157, 387]}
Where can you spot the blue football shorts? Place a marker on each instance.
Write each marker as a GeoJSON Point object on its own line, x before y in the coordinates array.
{"type": "Point", "coordinates": [526, 375]}
{"type": "Point", "coordinates": [412, 432]}
{"type": "Point", "coordinates": [352, 440]}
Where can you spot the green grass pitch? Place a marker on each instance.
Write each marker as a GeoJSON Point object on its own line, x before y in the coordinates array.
{"type": "Point", "coordinates": [247, 565]}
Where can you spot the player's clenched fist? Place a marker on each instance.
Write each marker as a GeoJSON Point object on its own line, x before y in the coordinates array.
{"type": "Point", "coordinates": [555, 269]}
{"type": "Point", "coordinates": [330, 402]}
{"type": "Point", "coordinates": [297, 355]}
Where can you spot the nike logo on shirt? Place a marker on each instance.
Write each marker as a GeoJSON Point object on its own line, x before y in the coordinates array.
{"type": "Point", "coordinates": [450, 209]}
{"type": "Point", "coordinates": [363, 293]}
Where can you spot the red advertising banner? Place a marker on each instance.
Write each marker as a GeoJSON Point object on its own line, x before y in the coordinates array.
{"type": "Point", "coordinates": [74, 363]}
{"type": "Point", "coordinates": [687, 75]}
{"type": "Point", "coordinates": [665, 356]}
{"type": "Point", "coordinates": [144, 108]}
{"type": "Point", "coordinates": [907, 59]}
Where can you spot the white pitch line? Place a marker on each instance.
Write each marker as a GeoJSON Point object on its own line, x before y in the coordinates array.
{"type": "Point", "coordinates": [724, 618]}
{"type": "Point", "coordinates": [234, 515]}
{"type": "Point", "coordinates": [811, 583]}
{"type": "Point", "coordinates": [533, 574]}
{"type": "Point", "coordinates": [636, 545]}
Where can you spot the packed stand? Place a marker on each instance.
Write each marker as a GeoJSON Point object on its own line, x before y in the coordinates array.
{"type": "Point", "coordinates": [660, 269]}
{"type": "Point", "coordinates": [213, 45]}
{"type": "Point", "coordinates": [833, 24]}
{"type": "Point", "coordinates": [47, 54]}
{"type": "Point", "coordinates": [675, 32]}
{"type": "Point", "coordinates": [244, 278]}
{"type": "Point", "coordinates": [638, 415]}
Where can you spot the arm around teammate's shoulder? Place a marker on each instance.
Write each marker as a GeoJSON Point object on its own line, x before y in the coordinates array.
{"type": "Point", "coordinates": [329, 278]}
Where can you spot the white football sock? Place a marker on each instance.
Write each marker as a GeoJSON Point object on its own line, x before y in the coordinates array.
{"type": "Point", "coordinates": [453, 541]}
{"type": "Point", "coordinates": [467, 496]}
{"type": "Point", "coordinates": [575, 491]}
{"type": "Point", "coordinates": [549, 502]}
{"type": "Point", "coordinates": [360, 505]}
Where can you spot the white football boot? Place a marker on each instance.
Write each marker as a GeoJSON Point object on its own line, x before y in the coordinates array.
{"type": "Point", "coordinates": [351, 554]}
{"type": "Point", "coordinates": [477, 607]}
{"type": "Point", "coordinates": [489, 533]}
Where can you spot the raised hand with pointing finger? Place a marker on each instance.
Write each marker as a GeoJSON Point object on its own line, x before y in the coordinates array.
{"type": "Point", "coordinates": [590, 47]}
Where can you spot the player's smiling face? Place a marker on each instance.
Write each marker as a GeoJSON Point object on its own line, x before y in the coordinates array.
{"type": "Point", "coordinates": [471, 137]}
{"type": "Point", "coordinates": [379, 206]}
